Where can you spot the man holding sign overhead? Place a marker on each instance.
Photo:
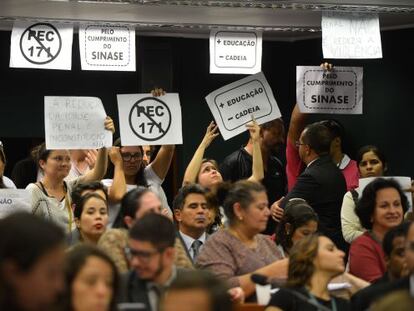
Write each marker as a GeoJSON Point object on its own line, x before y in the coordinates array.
{"type": "Point", "coordinates": [233, 106]}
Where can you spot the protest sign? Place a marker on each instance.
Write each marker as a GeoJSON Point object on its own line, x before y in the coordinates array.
{"type": "Point", "coordinates": [351, 35]}
{"type": "Point", "coordinates": [148, 120]}
{"type": "Point", "coordinates": [75, 123]}
{"type": "Point", "coordinates": [107, 47]}
{"type": "Point", "coordinates": [235, 51]}
{"type": "Point", "coordinates": [234, 105]}
{"type": "Point", "coordinates": [339, 91]}
{"type": "Point", "coordinates": [41, 45]}
{"type": "Point", "coordinates": [14, 200]}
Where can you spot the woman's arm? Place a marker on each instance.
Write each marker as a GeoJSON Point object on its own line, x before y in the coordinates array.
{"type": "Point", "coordinates": [162, 161]}
{"type": "Point", "coordinates": [257, 166]}
{"type": "Point", "coordinates": [118, 188]}
{"type": "Point", "coordinates": [191, 172]}
{"type": "Point", "coordinates": [99, 170]}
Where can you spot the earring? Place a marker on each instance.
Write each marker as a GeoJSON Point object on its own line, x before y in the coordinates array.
{"type": "Point", "coordinates": [241, 218]}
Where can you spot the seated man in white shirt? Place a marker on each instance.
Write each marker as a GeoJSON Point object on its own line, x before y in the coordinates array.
{"type": "Point", "coordinates": [191, 214]}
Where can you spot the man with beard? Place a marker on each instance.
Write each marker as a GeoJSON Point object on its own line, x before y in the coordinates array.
{"type": "Point", "coordinates": [151, 254]}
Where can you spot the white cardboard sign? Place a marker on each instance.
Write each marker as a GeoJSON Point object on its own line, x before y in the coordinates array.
{"type": "Point", "coordinates": [351, 35]}
{"type": "Point", "coordinates": [107, 47]}
{"type": "Point", "coordinates": [14, 200]}
{"type": "Point", "coordinates": [41, 45]}
{"type": "Point", "coordinates": [338, 91]}
{"type": "Point", "coordinates": [75, 123]}
{"type": "Point", "coordinates": [148, 120]}
{"type": "Point", "coordinates": [405, 183]}
{"type": "Point", "coordinates": [234, 105]}
{"type": "Point", "coordinates": [235, 51]}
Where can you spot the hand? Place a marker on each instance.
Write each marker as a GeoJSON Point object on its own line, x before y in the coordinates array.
{"type": "Point", "coordinates": [115, 156]}
{"type": "Point", "coordinates": [211, 133]}
{"type": "Point", "coordinates": [327, 66]}
{"type": "Point", "coordinates": [236, 295]}
{"type": "Point", "coordinates": [254, 129]}
{"type": "Point", "coordinates": [91, 158]}
{"type": "Point", "coordinates": [109, 124]}
{"type": "Point", "coordinates": [276, 211]}
{"type": "Point", "coordinates": [157, 92]}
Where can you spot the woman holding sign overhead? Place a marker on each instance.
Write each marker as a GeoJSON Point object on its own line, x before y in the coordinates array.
{"type": "Point", "coordinates": [51, 195]}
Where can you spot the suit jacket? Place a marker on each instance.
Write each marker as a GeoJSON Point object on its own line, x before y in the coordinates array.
{"type": "Point", "coordinates": [183, 249]}
{"type": "Point", "coordinates": [323, 186]}
{"type": "Point", "coordinates": [365, 297]}
{"type": "Point", "coordinates": [133, 289]}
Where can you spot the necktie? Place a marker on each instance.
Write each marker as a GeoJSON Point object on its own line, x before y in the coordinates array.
{"type": "Point", "coordinates": [196, 248]}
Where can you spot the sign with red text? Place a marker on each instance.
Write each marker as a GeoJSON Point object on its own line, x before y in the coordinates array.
{"type": "Point", "coordinates": [41, 45]}
{"type": "Point", "coordinates": [235, 51]}
{"type": "Point", "coordinates": [107, 47]}
{"type": "Point", "coordinates": [148, 120]}
{"type": "Point", "coordinates": [338, 91]}
{"type": "Point", "coordinates": [234, 105]}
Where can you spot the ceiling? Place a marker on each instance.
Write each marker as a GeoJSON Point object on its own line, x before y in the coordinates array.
{"type": "Point", "coordinates": [279, 20]}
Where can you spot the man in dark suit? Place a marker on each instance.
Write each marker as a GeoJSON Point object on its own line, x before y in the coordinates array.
{"type": "Point", "coordinates": [321, 184]}
{"type": "Point", "coordinates": [192, 216]}
{"type": "Point", "coordinates": [364, 298]}
{"type": "Point", "coordinates": [151, 254]}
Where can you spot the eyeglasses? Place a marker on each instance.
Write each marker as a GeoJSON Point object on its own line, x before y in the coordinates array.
{"type": "Point", "coordinates": [128, 156]}
{"type": "Point", "coordinates": [298, 143]}
{"type": "Point", "coordinates": [143, 256]}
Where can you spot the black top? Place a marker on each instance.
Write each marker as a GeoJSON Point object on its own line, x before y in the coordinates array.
{"type": "Point", "coordinates": [286, 300]}
{"type": "Point", "coordinates": [238, 165]}
{"type": "Point", "coordinates": [323, 186]}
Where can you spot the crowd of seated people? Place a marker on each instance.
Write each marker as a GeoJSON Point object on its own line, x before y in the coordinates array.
{"type": "Point", "coordinates": [103, 236]}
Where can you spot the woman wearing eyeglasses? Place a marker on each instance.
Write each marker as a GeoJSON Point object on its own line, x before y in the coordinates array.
{"type": "Point", "coordinates": [51, 196]}
{"type": "Point", "coordinates": [5, 182]}
{"type": "Point", "coordinates": [129, 170]}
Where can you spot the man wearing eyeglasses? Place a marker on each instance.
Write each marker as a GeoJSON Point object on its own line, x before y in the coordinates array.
{"type": "Point", "coordinates": [151, 255]}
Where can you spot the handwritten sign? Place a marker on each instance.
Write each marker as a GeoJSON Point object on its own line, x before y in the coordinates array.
{"type": "Point", "coordinates": [148, 120]}
{"type": "Point", "coordinates": [75, 123]}
{"type": "Point", "coordinates": [14, 200]}
{"type": "Point", "coordinates": [405, 183]}
{"type": "Point", "coordinates": [351, 35]}
{"type": "Point", "coordinates": [41, 45]}
{"type": "Point", "coordinates": [107, 47]}
{"type": "Point", "coordinates": [338, 91]}
{"type": "Point", "coordinates": [234, 104]}
{"type": "Point", "coordinates": [235, 51]}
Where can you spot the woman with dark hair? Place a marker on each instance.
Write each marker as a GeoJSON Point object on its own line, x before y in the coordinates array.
{"type": "Point", "coordinates": [32, 254]}
{"type": "Point", "coordinates": [236, 252]}
{"type": "Point", "coordinates": [128, 171]}
{"type": "Point", "coordinates": [91, 217]}
{"type": "Point", "coordinates": [51, 197]}
{"type": "Point", "coordinates": [92, 281]}
{"type": "Point", "coordinates": [381, 207]}
{"type": "Point", "coordinates": [299, 220]}
{"type": "Point", "coordinates": [313, 262]}
{"type": "Point", "coordinates": [371, 163]}
{"type": "Point", "coordinates": [5, 182]}
{"type": "Point", "coordinates": [205, 172]}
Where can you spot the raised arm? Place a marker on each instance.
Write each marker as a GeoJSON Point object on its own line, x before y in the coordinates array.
{"type": "Point", "coordinates": [257, 166]}
{"type": "Point", "coordinates": [162, 161]}
{"type": "Point", "coordinates": [190, 175]}
{"type": "Point", "coordinates": [118, 188]}
{"type": "Point", "coordinates": [98, 171]}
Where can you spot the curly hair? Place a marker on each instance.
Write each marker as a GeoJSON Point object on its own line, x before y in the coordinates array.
{"type": "Point", "coordinates": [301, 257]}
{"type": "Point", "coordinates": [366, 204]}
